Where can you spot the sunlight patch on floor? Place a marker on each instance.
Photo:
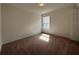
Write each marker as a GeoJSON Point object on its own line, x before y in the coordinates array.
{"type": "Point", "coordinates": [45, 37]}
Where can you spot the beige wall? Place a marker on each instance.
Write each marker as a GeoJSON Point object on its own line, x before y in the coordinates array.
{"type": "Point", "coordinates": [62, 21]}
{"type": "Point", "coordinates": [78, 24]}
{"type": "Point", "coordinates": [0, 29]}
{"type": "Point", "coordinates": [78, 21]}
{"type": "Point", "coordinates": [18, 23]}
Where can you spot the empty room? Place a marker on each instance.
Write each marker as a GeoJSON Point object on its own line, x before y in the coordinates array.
{"type": "Point", "coordinates": [39, 29]}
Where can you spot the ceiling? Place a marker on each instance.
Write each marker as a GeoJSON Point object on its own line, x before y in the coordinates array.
{"type": "Point", "coordinates": [34, 7]}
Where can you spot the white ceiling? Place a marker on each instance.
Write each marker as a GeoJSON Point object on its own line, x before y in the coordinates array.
{"type": "Point", "coordinates": [37, 9]}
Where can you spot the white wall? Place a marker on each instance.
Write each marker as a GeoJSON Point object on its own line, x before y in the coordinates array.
{"type": "Point", "coordinates": [18, 23]}
{"type": "Point", "coordinates": [62, 21]}
{"type": "Point", "coordinates": [0, 29]}
{"type": "Point", "coordinates": [78, 24]}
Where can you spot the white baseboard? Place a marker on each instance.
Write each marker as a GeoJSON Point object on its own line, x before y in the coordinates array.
{"type": "Point", "coordinates": [21, 37]}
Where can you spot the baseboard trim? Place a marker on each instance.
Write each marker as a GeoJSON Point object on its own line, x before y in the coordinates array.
{"type": "Point", "coordinates": [19, 39]}
{"type": "Point", "coordinates": [77, 42]}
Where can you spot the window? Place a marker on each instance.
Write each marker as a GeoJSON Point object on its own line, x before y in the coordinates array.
{"type": "Point", "coordinates": [46, 24]}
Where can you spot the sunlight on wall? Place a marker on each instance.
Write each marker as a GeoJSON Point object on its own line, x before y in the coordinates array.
{"type": "Point", "coordinates": [45, 37]}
